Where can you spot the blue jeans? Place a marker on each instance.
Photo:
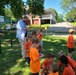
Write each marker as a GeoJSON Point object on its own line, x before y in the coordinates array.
{"type": "Point", "coordinates": [41, 43]}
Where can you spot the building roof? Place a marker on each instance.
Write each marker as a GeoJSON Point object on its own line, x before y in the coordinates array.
{"type": "Point", "coordinates": [49, 11]}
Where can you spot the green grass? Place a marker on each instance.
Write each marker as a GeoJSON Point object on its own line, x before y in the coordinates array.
{"type": "Point", "coordinates": [39, 26]}
{"type": "Point", "coordinates": [73, 23]}
{"type": "Point", "coordinates": [11, 62]}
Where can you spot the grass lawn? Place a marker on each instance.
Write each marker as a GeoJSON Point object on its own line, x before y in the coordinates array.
{"type": "Point", "coordinates": [44, 26]}
{"type": "Point", "coordinates": [73, 23]}
{"type": "Point", "coordinates": [11, 62]}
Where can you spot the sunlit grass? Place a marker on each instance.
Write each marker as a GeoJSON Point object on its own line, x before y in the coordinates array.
{"type": "Point", "coordinates": [73, 23]}
{"type": "Point", "coordinates": [11, 62]}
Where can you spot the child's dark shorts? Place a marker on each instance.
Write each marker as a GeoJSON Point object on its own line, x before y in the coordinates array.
{"type": "Point", "coordinates": [70, 50]}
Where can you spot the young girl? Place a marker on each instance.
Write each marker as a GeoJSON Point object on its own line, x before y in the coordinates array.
{"type": "Point", "coordinates": [53, 70]}
{"type": "Point", "coordinates": [34, 34]}
{"type": "Point", "coordinates": [35, 57]}
{"type": "Point", "coordinates": [27, 47]}
{"type": "Point", "coordinates": [39, 35]}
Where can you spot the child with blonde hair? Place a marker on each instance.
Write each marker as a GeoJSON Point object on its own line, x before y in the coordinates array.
{"type": "Point", "coordinates": [35, 57]}
{"type": "Point", "coordinates": [70, 42]}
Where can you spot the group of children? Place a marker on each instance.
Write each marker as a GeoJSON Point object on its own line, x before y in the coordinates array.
{"type": "Point", "coordinates": [34, 51]}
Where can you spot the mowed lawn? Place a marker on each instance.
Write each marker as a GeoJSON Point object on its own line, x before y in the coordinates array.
{"type": "Point", "coordinates": [11, 62]}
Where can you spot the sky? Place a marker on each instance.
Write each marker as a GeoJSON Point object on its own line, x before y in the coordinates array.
{"type": "Point", "coordinates": [55, 4]}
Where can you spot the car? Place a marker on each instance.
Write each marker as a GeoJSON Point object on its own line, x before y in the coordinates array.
{"type": "Point", "coordinates": [70, 20]}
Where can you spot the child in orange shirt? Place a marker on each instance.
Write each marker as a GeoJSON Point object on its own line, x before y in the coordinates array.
{"type": "Point", "coordinates": [70, 42]}
{"type": "Point", "coordinates": [27, 47]}
{"type": "Point", "coordinates": [47, 62]}
{"type": "Point", "coordinates": [35, 57]}
{"type": "Point", "coordinates": [39, 35]}
{"type": "Point", "coordinates": [53, 70]}
{"type": "Point", "coordinates": [71, 62]}
{"type": "Point", "coordinates": [67, 68]}
{"type": "Point", "coordinates": [34, 34]}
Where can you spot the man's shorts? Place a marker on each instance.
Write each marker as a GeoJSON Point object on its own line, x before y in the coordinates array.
{"type": "Point", "coordinates": [70, 50]}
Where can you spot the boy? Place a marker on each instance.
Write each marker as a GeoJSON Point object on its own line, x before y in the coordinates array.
{"type": "Point", "coordinates": [39, 35]}
{"type": "Point", "coordinates": [35, 57]}
{"type": "Point", "coordinates": [53, 70]}
{"type": "Point", "coordinates": [27, 47]}
{"type": "Point", "coordinates": [71, 62]}
{"type": "Point", "coordinates": [67, 68]}
{"type": "Point", "coordinates": [70, 42]}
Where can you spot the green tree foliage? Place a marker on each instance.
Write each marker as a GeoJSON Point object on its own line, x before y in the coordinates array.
{"type": "Point", "coordinates": [9, 13]}
{"type": "Point", "coordinates": [60, 18]}
{"type": "Point", "coordinates": [69, 7]}
{"type": "Point", "coordinates": [36, 6]}
{"type": "Point", "coordinates": [55, 13]}
{"type": "Point", "coordinates": [68, 4]}
{"type": "Point", "coordinates": [71, 14]}
{"type": "Point", "coordinates": [16, 6]}
{"type": "Point", "coordinates": [2, 7]}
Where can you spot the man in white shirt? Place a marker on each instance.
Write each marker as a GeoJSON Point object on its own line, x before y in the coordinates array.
{"type": "Point", "coordinates": [21, 32]}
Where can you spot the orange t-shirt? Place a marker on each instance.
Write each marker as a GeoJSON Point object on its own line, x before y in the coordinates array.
{"type": "Point", "coordinates": [46, 63]}
{"type": "Point", "coordinates": [68, 71]}
{"type": "Point", "coordinates": [35, 61]}
{"type": "Point", "coordinates": [27, 46]}
{"type": "Point", "coordinates": [53, 73]}
{"type": "Point", "coordinates": [70, 42]}
{"type": "Point", "coordinates": [39, 36]}
{"type": "Point", "coordinates": [71, 62]}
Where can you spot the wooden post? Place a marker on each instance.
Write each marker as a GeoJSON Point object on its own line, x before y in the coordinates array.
{"type": "Point", "coordinates": [0, 45]}
{"type": "Point", "coordinates": [46, 30]}
{"type": "Point", "coordinates": [11, 42]}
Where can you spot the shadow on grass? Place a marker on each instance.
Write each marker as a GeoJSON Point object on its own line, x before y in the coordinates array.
{"type": "Point", "coordinates": [55, 45]}
{"type": "Point", "coordinates": [9, 58]}
{"type": "Point", "coordinates": [11, 62]}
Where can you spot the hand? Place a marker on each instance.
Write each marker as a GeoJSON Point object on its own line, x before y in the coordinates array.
{"type": "Point", "coordinates": [41, 55]}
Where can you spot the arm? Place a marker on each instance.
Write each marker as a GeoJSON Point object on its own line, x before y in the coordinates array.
{"type": "Point", "coordinates": [36, 56]}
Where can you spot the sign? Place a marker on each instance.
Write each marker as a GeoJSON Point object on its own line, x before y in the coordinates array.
{"type": "Point", "coordinates": [1, 18]}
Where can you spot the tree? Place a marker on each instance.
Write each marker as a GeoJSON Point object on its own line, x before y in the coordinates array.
{"type": "Point", "coordinates": [2, 7]}
{"type": "Point", "coordinates": [9, 13]}
{"type": "Point", "coordinates": [36, 6]}
{"type": "Point", "coordinates": [55, 13]}
{"type": "Point", "coordinates": [16, 6]}
{"type": "Point", "coordinates": [60, 18]}
{"type": "Point", "coordinates": [69, 7]}
{"type": "Point", "coordinates": [71, 14]}
{"type": "Point", "coordinates": [68, 4]}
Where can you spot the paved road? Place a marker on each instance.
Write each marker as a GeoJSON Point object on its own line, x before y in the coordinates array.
{"type": "Point", "coordinates": [60, 27]}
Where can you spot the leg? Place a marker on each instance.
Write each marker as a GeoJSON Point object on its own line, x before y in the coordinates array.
{"type": "Point", "coordinates": [22, 48]}
{"type": "Point", "coordinates": [41, 43]}
{"type": "Point", "coordinates": [28, 60]}
{"type": "Point", "coordinates": [24, 40]}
